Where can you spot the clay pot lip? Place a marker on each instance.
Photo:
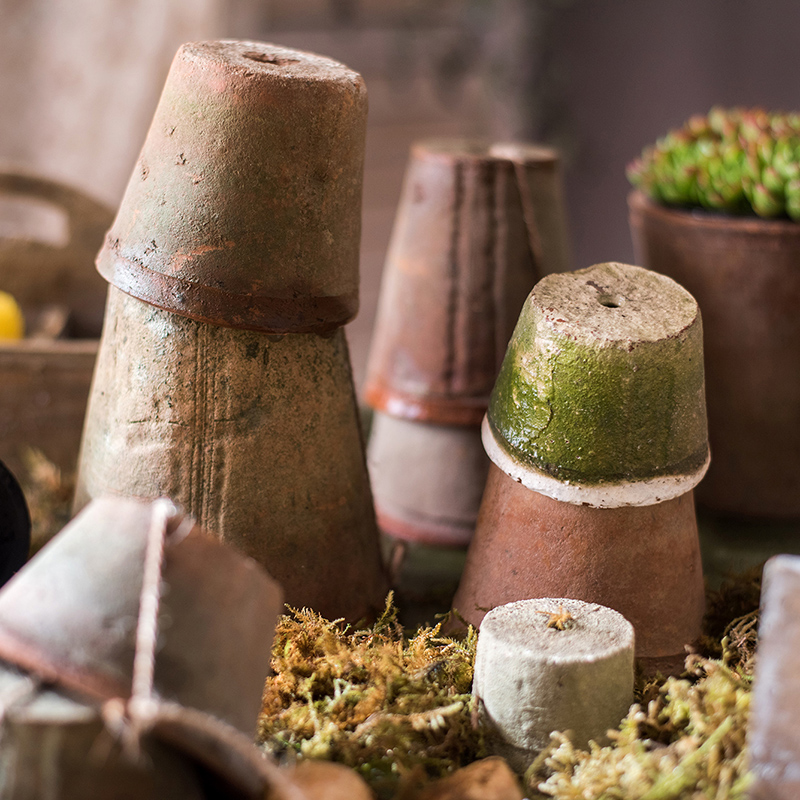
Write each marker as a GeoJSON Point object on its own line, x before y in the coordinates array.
{"type": "Point", "coordinates": [702, 219]}
{"type": "Point", "coordinates": [462, 411]}
{"type": "Point", "coordinates": [610, 494]}
{"type": "Point", "coordinates": [475, 150]}
{"type": "Point", "coordinates": [311, 313]}
{"type": "Point", "coordinates": [249, 56]}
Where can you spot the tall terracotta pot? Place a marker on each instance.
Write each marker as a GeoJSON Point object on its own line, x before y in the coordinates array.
{"type": "Point", "coordinates": [745, 275]}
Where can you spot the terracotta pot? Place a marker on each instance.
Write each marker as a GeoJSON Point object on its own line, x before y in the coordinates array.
{"type": "Point", "coordinates": [223, 380]}
{"type": "Point", "coordinates": [74, 614]}
{"type": "Point", "coordinates": [596, 427]}
{"type": "Point", "coordinates": [44, 382]}
{"type": "Point", "coordinates": [476, 225]}
{"type": "Point", "coordinates": [153, 640]}
{"type": "Point", "coordinates": [244, 208]}
{"type": "Point", "coordinates": [745, 275]}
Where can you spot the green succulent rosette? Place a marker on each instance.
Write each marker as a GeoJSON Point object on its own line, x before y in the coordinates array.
{"type": "Point", "coordinates": [736, 161]}
{"type": "Point", "coordinates": [601, 396]}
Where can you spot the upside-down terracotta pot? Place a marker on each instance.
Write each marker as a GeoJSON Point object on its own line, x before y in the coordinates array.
{"type": "Point", "coordinates": [134, 633]}
{"type": "Point", "coordinates": [597, 431]}
{"type": "Point", "coordinates": [744, 273]}
{"type": "Point", "coordinates": [476, 226]}
{"type": "Point", "coordinates": [223, 378]}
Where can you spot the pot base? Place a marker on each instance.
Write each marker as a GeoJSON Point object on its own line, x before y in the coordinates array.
{"type": "Point", "coordinates": [641, 561]}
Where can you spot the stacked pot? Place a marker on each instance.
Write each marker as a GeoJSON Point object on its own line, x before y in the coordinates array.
{"type": "Point", "coordinates": [597, 433]}
{"type": "Point", "coordinates": [476, 226]}
{"type": "Point", "coordinates": [223, 379]}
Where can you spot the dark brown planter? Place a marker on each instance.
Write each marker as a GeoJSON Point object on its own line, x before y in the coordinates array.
{"type": "Point", "coordinates": [745, 275]}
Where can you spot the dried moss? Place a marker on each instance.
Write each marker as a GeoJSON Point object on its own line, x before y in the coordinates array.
{"type": "Point", "coordinates": [395, 708]}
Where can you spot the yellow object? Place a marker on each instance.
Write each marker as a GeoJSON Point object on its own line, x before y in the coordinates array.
{"type": "Point", "coordinates": [12, 323]}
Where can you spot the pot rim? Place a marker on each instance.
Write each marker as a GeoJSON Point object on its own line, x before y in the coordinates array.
{"type": "Point", "coordinates": [699, 218]}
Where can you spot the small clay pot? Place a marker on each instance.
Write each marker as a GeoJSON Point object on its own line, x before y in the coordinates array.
{"type": "Point", "coordinates": [744, 274]}
{"type": "Point", "coordinates": [222, 380]}
{"type": "Point", "coordinates": [551, 664]}
{"type": "Point", "coordinates": [244, 208]}
{"type": "Point", "coordinates": [596, 427]}
{"type": "Point", "coordinates": [476, 226]}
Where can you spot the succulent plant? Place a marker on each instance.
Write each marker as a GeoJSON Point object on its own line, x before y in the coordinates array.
{"type": "Point", "coordinates": [737, 161]}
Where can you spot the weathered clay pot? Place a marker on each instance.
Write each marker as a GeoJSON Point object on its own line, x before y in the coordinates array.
{"type": "Point", "coordinates": [476, 226]}
{"type": "Point", "coordinates": [222, 381]}
{"type": "Point", "coordinates": [744, 274]}
{"type": "Point", "coordinates": [551, 664]}
{"type": "Point", "coordinates": [74, 614]}
{"type": "Point", "coordinates": [156, 639]}
{"type": "Point", "coordinates": [44, 383]}
{"type": "Point", "coordinates": [597, 430]}
{"type": "Point", "coordinates": [244, 208]}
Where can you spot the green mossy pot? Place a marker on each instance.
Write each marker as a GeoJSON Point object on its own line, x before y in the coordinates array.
{"type": "Point", "coordinates": [601, 399]}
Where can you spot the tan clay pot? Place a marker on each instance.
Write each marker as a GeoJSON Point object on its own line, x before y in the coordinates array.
{"type": "Point", "coordinates": [223, 380]}
{"type": "Point", "coordinates": [745, 275]}
{"type": "Point", "coordinates": [477, 224]}
{"type": "Point", "coordinates": [154, 640]}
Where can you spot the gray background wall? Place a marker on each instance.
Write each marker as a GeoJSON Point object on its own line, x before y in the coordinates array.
{"type": "Point", "coordinates": [597, 78]}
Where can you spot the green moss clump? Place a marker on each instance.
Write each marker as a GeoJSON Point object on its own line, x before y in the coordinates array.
{"type": "Point", "coordinates": [396, 709]}
{"type": "Point", "coordinates": [48, 492]}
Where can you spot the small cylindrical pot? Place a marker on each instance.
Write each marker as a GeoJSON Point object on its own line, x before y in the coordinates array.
{"type": "Point", "coordinates": [551, 664]}
{"type": "Point", "coordinates": [744, 274]}
{"type": "Point", "coordinates": [223, 378]}
{"type": "Point", "coordinates": [596, 427]}
{"type": "Point", "coordinates": [476, 225]}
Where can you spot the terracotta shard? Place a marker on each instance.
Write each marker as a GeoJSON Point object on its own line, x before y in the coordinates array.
{"type": "Point", "coordinates": [73, 614]}
{"type": "Point", "coordinates": [773, 736]}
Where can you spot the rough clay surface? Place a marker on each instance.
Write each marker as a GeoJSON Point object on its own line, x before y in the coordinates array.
{"type": "Point", "coordinates": [474, 230]}
{"type": "Point", "coordinates": [774, 733]}
{"type": "Point", "coordinates": [256, 436]}
{"type": "Point", "coordinates": [602, 383]}
{"type": "Point", "coordinates": [427, 479]}
{"type": "Point", "coordinates": [244, 208]}
{"type": "Point", "coordinates": [643, 562]}
{"type": "Point", "coordinates": [531, 679]}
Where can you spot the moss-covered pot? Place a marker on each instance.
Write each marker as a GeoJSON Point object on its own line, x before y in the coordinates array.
{"type": "Point", "coordinates": [600, 399]}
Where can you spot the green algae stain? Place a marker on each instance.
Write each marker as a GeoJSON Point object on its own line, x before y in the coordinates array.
{"type": "Point", "coordinates": [600, 412]}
